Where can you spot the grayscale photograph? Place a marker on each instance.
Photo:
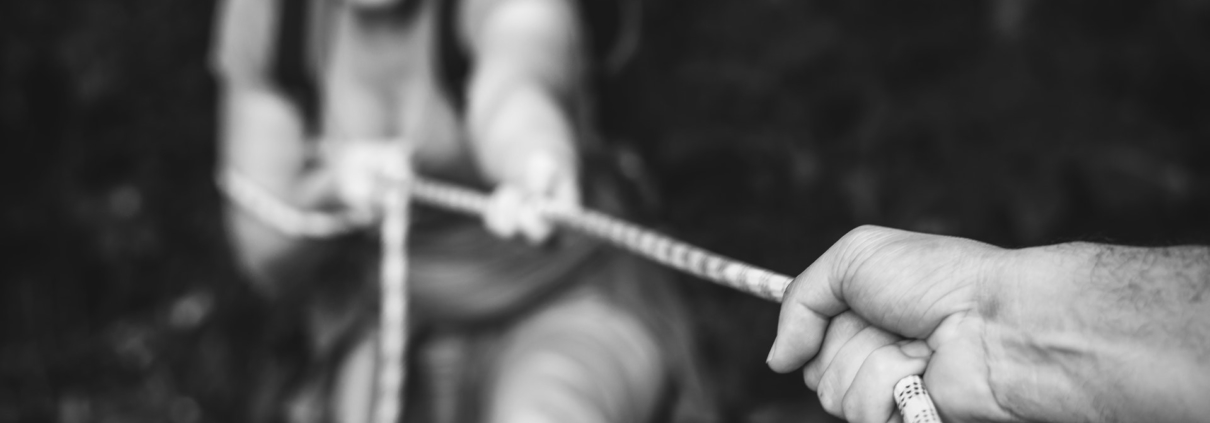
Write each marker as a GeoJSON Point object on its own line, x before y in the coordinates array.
{"type": "Point", "coordinates": [604, 211]}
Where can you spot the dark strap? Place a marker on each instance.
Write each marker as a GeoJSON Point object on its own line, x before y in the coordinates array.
{"type": "Point", "coordinates": [291, 70]}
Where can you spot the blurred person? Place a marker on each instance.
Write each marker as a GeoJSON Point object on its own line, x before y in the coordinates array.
{"type": "Point", "coordinates": [1067, 332]}
{"type": "Point", "coordinates": [328, 104]}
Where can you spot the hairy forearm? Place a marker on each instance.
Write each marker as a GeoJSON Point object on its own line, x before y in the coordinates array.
{"type": "Point", "coordinates": [1086, 332]}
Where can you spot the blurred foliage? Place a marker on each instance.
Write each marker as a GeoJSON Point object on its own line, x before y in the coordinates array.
{"type": "Point", "coordinates": [765, 129]}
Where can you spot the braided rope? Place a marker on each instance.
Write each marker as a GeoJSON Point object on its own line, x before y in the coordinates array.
{"type": "Point", "coordinates": [387, 404]}
{"type": "Point", "coordinates": [912, 398]}
{"type": "Point", "coordinates": [662, 249]}
{"type": "Point", "coordinates": [915, 404]}
{"type": "Point", "coordinates": [392, 348]}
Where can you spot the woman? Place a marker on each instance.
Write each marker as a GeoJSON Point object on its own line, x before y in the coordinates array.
{"type": "Point", "coordinates": [326, 107]}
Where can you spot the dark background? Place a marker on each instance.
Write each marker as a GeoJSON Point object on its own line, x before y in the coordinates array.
{"type": "Point", "coordinates": [766, 129]}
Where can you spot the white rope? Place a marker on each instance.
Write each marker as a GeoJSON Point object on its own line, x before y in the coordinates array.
{"type": "Point", "coordinates": [392, 342]}
{"type": "Point", "coordinates": [913, 400]}
{"type": "Point", "coordinates": [915, 404]}
{"type": "Point", "coordinates": [662, 249]}
{"type": "Point", "coordinates": [387, 403]}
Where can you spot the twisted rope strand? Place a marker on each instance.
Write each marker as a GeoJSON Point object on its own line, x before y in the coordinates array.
{"type": "Point", "coordinates": [660, 248]}
{"type": "Point", "coordinates": [392, 348]}
{"type": "Point", "coordinates": [913, 400]}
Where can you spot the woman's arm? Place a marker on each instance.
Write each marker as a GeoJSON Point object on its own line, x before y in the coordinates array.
{"type": "Point", "coordinates": [525, 81]}
{"type": "Point", "coordinates": [526, 73]}
{"type": "Point", "coordinates": [262, 138]}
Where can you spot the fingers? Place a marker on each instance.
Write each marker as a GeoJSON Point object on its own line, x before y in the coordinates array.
{"type": "Point", "coordinates": [858, 366]}
{"type": "Point", "coordinates": [522, 209]}
{"type": "Point", "coordinates": [859, 376]}
{"type": "Point", "coordinates": [870, 398]}
{"type": "Point", "coordinates": [819, 293]}
{"type": "Point", "coordinates": [366, 170]}
{"type": "Point", "coordinates": [511, 212]}
{"type": "Point", "coordinates": [501, 216]}
{"type": "Point", "coordinates": [841, 371]}
{"type": "Point", "coordinates": [842, 328]}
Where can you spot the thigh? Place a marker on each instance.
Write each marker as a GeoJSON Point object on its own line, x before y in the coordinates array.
{"type": "Point", "coordinates": [580, 359]}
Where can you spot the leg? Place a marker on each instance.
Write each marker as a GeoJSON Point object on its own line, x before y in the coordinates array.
{"type": "Point", "coordinates": [580, 360]}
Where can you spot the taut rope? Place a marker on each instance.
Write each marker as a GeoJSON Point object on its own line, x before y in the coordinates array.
{"type": "Point", "coordinates": [392, 345]}
{"type": "Point", "coordinates": [913, 400]}
{"type": "Point", "coordinates": [662, 249]}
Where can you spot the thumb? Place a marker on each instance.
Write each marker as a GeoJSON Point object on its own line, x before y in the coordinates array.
{"type": "Point", "coordinates": [806, 309]}
{"type": "Point", "coordinates": [815, 296]}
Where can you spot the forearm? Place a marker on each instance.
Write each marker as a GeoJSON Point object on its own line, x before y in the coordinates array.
{"type": "Point", "coordinates": [1085, 332]}
{"type": "Point", "coordinates": [524, 83]}
{"type": "Point", "coordinates": [264, 143]}
{"type": "Point", "coordinates": [524, 120]}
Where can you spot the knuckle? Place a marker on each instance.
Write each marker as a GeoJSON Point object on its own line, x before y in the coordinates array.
{"type": "Point", "coordinates": [863, 234]}
{"type": "Point", "coordinates": [848, 323]}
{"type": "Point", "coordinates": [855, 250]}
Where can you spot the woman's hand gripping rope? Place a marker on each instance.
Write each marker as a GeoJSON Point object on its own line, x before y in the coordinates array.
{"type": "Point", "coordinates": [371, 180]}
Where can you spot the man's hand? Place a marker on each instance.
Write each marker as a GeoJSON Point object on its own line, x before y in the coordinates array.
{"type": "Point", "coordinates": [1070, 332]}
{"type": "Point", "coordinates": [847, 315]}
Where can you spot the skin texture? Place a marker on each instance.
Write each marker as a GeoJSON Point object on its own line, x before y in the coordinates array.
{"type": "Point", "coordinates": [1070, 332]}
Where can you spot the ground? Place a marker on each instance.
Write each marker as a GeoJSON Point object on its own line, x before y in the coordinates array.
{"type": "Point", "coordinates": [764, 130]}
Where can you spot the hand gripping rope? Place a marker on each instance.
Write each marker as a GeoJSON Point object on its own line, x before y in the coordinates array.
{"type": "Point", "coordinates": [391, 376]}
{"type": "Point", "coordinates": [909, 394]}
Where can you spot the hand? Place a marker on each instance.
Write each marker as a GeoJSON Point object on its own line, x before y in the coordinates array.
{"type": "Point", "coordinates": [517, 208]}
{"type": "Point", "coordinates": [847, 315]}
{"type": "Point", "coordinates": [364, 171]}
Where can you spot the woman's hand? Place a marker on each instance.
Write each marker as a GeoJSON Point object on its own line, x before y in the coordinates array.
{"type": "Point", "coordinates": [364, 171]}
{"type": "Point", "coordinates": [517, 207]}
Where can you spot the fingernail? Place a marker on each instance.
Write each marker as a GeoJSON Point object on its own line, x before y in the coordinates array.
{"type": "Point", "coordinates": [916, 349]}
{"type": "Point", "coordinates": [771, 351]}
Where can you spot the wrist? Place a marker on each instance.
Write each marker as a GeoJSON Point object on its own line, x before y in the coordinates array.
{"type": "Point", "coordinates": [1037, 350]}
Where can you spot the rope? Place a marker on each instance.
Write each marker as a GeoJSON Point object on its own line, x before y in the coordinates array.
{"type": "Point", "coordinates": [387, 404]}
{"type": "Point", "coordinates": [392, 348]}
{"type": "Point", "coordinates": [913, 400]}
{"type": "Point", "coordinates": [662, 249]}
